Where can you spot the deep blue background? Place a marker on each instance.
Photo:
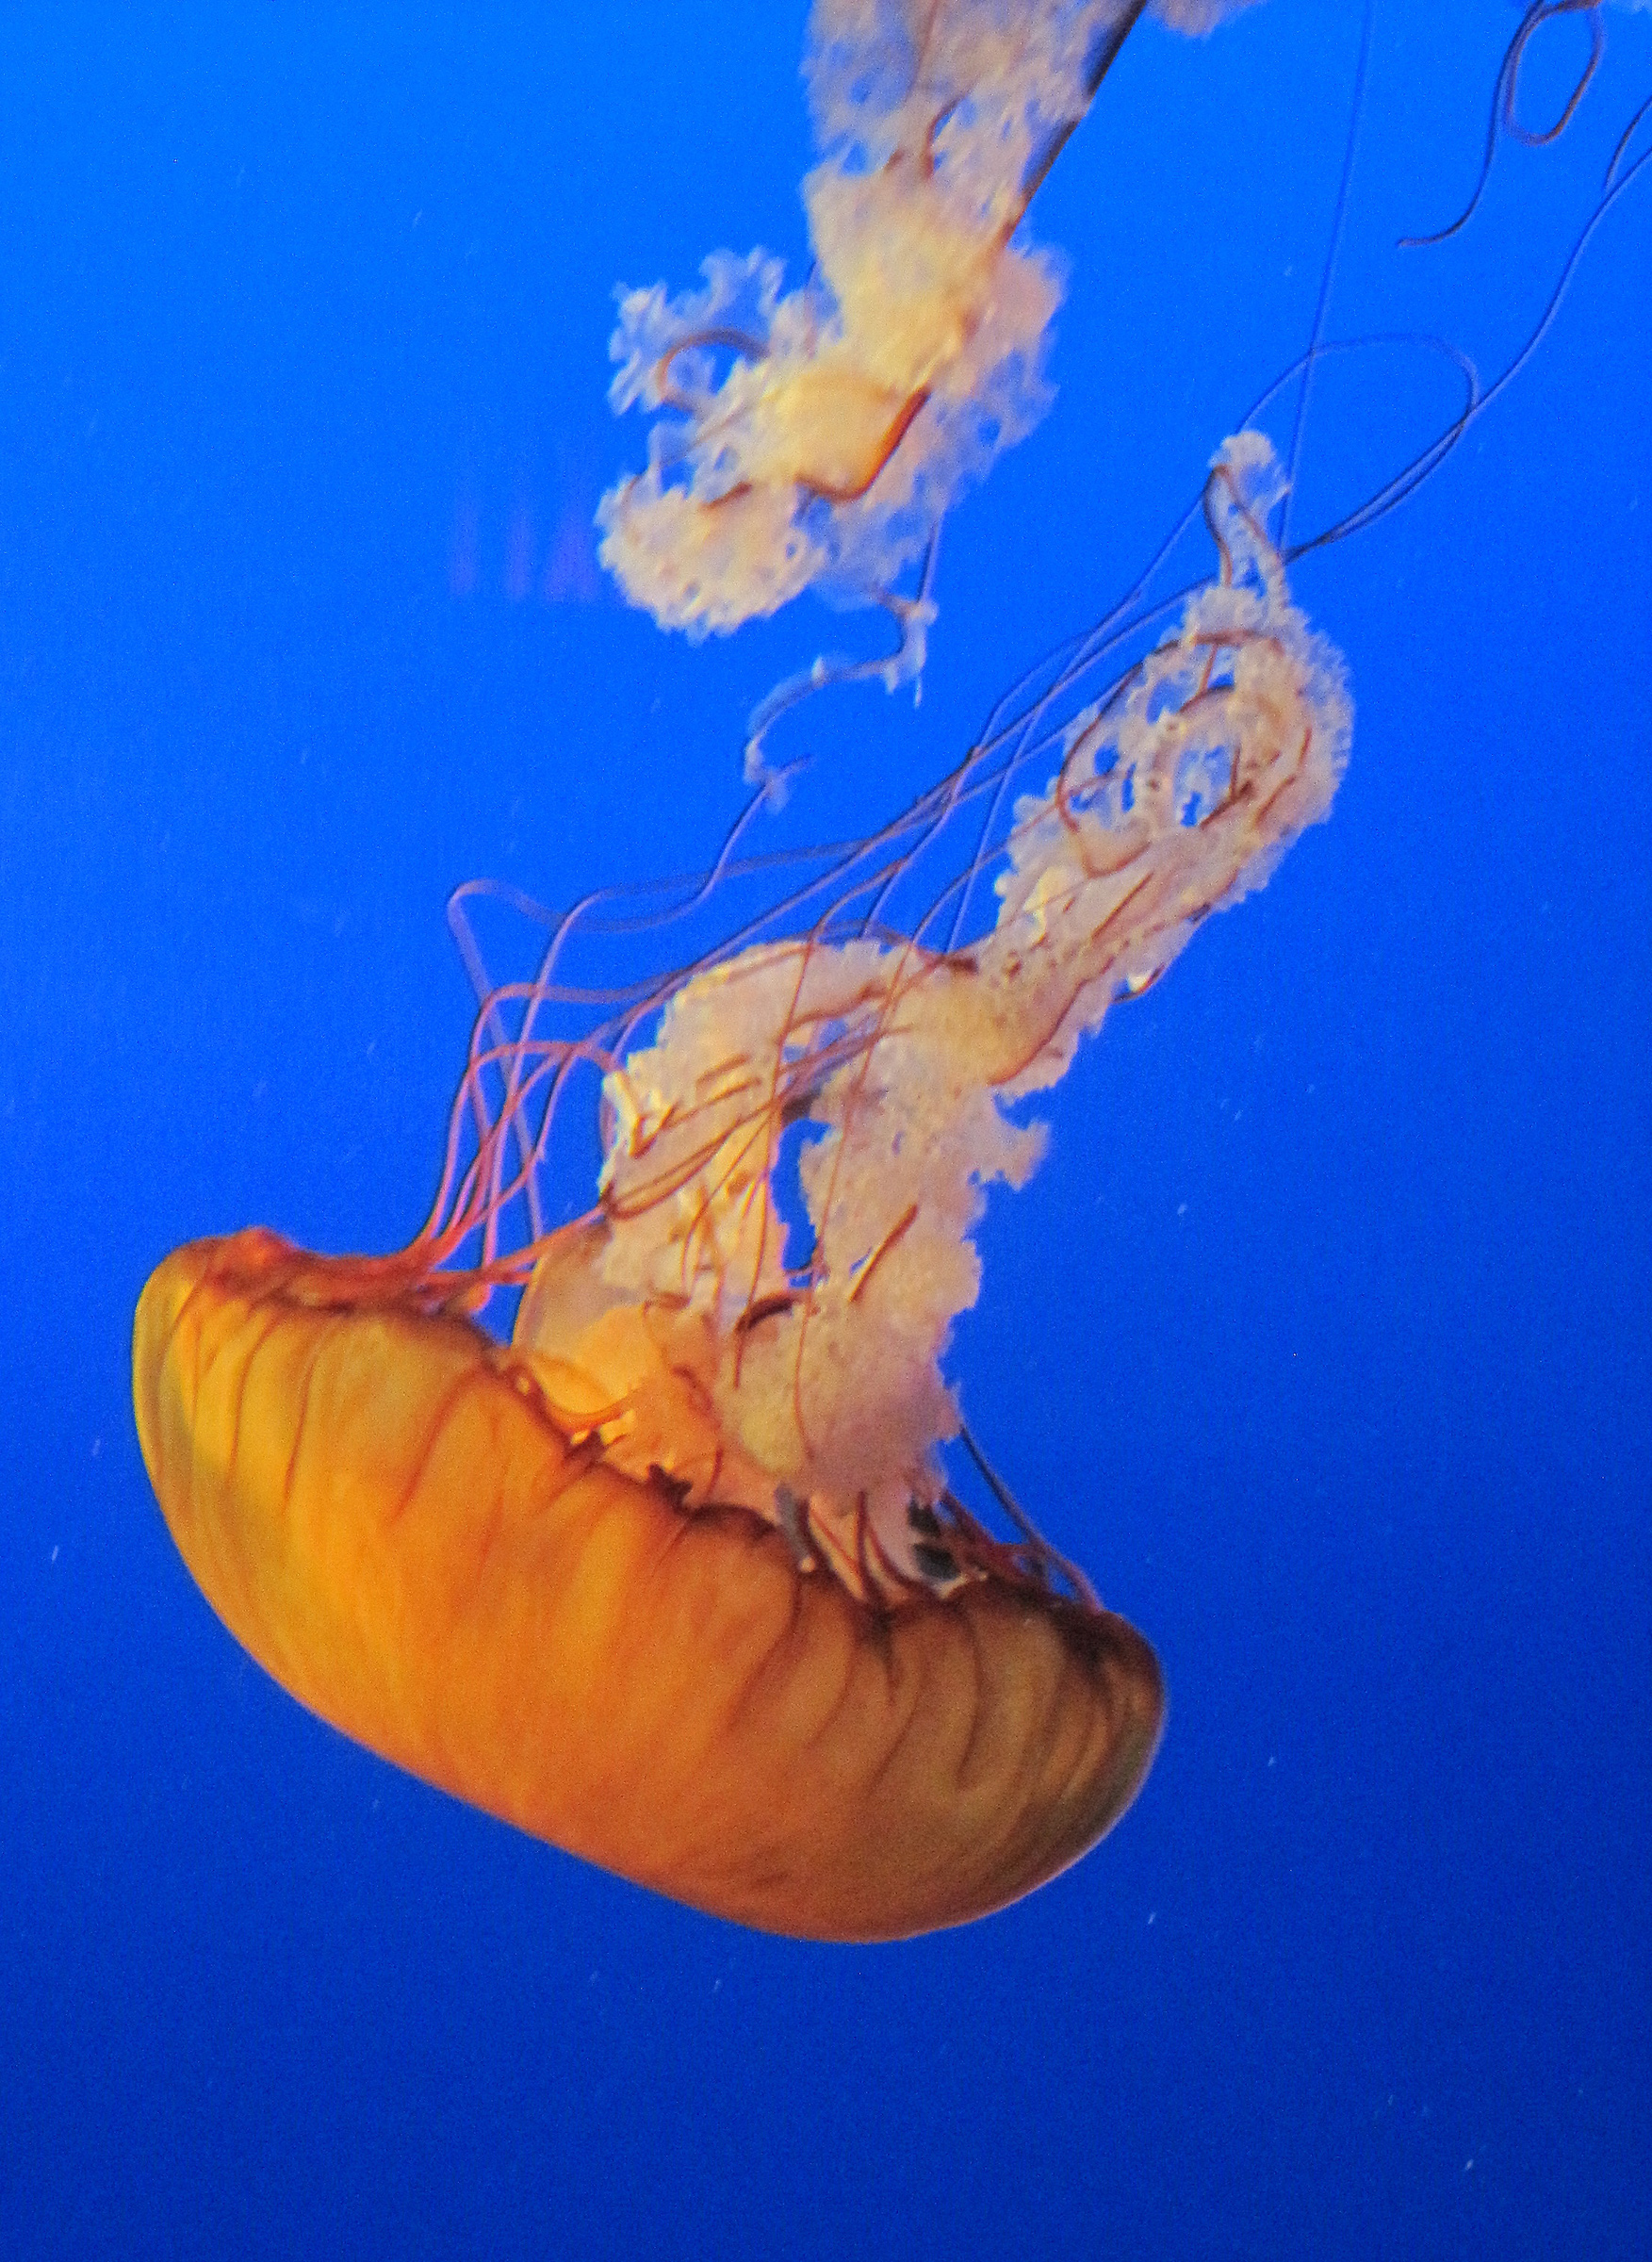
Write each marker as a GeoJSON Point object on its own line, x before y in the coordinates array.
{"type": "Point", "coordinates": [1324, 1337]}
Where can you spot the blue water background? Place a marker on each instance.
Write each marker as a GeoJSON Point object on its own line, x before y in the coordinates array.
{"type": "Point", "coordinates": [1324, 1337]}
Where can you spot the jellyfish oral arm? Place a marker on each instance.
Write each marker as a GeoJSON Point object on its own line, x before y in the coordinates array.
{"type": "Point", "coordinates": [818, 437]}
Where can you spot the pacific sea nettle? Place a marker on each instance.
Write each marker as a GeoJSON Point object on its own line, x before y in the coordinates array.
{"type": "Point", "coordinates": [676, 1579]}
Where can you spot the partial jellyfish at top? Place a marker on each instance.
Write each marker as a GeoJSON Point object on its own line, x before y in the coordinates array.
{"type": "Point", "coordinates": [817, 437]}
{"type": "Point", "coordinates": [701, 1574]}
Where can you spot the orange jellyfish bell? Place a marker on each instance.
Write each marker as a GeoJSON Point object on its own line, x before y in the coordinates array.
{"type": "Point", "coordinates": [381, 1505]}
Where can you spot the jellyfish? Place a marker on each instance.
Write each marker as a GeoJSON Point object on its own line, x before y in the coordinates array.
{"type": "Point", "coordinates": [817, 437]}
{"type": "Point", "coordinates": [701, 1575]}
{"type": "Point", "coordinates": [677, 1578]}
